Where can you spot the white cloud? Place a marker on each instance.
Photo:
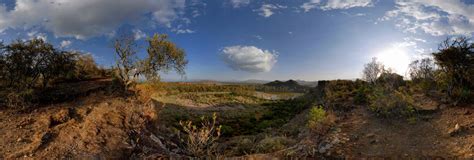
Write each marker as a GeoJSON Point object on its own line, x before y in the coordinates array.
{"type": "Point", "coordinates": [310, 5]}
{"type": "Point", "coordinates": [87, 18]}
{"type": "Point", "coordinates": [184, 31]}
{"type": "Point", "coordinates": [249, 58]}
{"type": "Point", "coordinates": [138, 34]}
{"type": "Point", "coordinates": [65, 43]}
{"type": "Point", "coordinates": [433, 17]}
{"type": "Point", "coordinates": [335, 4]}
{"type": "Point", "coordinates": [239, 3]}
{"type": "Point", "coordinates": [267, 9]}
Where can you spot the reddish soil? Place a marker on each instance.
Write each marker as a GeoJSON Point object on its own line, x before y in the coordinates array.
{"type": "Point", "coordinates": [361, 134]}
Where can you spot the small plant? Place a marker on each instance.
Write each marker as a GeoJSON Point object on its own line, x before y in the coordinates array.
{"type": "Point", "coordinates": [200, 140]}
{"type": "Point", "coordinates": [316, 116]}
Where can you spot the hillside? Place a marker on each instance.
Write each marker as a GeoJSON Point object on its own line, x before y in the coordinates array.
{"type": "Point", "coordinates": [99, 124]}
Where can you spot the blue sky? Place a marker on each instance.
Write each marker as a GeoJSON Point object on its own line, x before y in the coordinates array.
{"type": "Point", "coordinates": [250, 39]}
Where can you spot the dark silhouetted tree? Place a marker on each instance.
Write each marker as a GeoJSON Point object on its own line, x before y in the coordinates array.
{"type": "Point", "coordinates": [455, 59]}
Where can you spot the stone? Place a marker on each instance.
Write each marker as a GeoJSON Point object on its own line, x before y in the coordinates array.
{"type": "Point", "coordinates": [370, 135]}
{"type": "Point", "coordinates": [373, 141]}
{"type": "Point", "coordinates": [457, 128]}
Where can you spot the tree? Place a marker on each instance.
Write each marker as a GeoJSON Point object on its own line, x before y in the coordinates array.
{"type": "Point", "coordinates": [163, 56]}
{"type": "Point", "coordinates": [85, 67]}
{"type": "Point", "coordinates": [3, 68]}
{"type": "Point", "coordinates": [422, 70]}
{"type": "Point", "coordinates": [456, 61]}
{"type": "Point", "coordinates": [372, 70]}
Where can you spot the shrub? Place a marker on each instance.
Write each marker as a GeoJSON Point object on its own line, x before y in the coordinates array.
{"type": "Point", "coordinates": [319, 121]}
{"type": "Point", "coordinates": [272, 144]}
{"type": "Point", "coordinates": [361, 95]}
{"type": "Point", "coordinates": [200, 140]}
{"type": "Point", "coordinates": [388, 103]}
{"type": "Point", "coordinates": [316, 116]}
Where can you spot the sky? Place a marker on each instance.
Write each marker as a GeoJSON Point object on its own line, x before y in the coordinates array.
{"type": "Point", "coordinates": [248, 39]}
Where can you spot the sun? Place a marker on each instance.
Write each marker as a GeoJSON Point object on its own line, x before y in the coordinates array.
{"type": "Point", "coordinates": [396, 58]}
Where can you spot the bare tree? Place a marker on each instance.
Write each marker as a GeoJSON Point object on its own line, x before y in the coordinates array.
{"type": "Point", "coordinates": [372, 70]}
{"type": "Point", "coordinates": [421, 70]}
{"type": "Point", "coordinates": [126, 61]}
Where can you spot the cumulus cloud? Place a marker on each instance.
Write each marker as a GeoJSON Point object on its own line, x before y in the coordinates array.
{"type": "Point", "coordinates": [86, 18]}
{"type": "Point", "coordinates": [267, 10]}
{"type": "Point", "coordinates": [65, 43]}
{"type": "Point", "coordinates": [433, 17]}
{"type": "Point", "coordinates": [239, 3]}
{"type": "Point", "coordinates": [335, 4]}
{"type": "Point", "coordinates": [249, 58]}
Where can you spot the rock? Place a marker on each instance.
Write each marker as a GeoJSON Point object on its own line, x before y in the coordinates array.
{"type": "Point", "coordinates": [324, 147]}
{"type": "Point", "coordinates": [19, 139]}
{"type": "Point", "coordinates": [457, 129]}
{"type": "Point", "coordinates": [467, 112]}
{"type": "Point", "coordinates": [374, 141]}
{"type": "Point", "coordinates": [370, 135]}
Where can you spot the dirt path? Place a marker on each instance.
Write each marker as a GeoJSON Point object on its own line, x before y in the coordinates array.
{"type": "Point", "coordinates": [361, 134]}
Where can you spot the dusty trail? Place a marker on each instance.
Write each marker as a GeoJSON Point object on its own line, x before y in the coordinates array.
{"type": "Point", "coordinates": [361, 134]}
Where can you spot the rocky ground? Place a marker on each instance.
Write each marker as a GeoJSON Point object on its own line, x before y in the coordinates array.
{"type": "Point", "coordinates": [448, 133]}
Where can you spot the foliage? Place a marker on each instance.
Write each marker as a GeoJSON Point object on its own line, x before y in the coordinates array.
{"type": "Point", "coordinates": [86, 67]}
{"type": "Point", "coordinates": [422, 70]}
{"type": "Point", "coordinates": [316, 116]}
{"type": "Point", "coordinates": [391, 103]}
{"type": "Point", "coordinates": [372, 70]}
{"type": "Point", "coordinates": [272, 144]}
{"type": "Point", "coordinates": [163, 55]}
{"type": "Point", "coordinates": [456, 62]}
{"type": "Point", "coordinates": [33, 63]}
{"type": "Point", "coordinates": [338, 94]}
{"type": "Point", "coordinates": [200, 140]}
{"type": "Point", "coordinates": [390, 80]}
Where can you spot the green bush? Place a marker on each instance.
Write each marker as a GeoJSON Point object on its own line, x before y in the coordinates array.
{"type": "Point", "coordinates": [316, 116]}
{"type": "Point", "coordinates": [361, 95]}
{"type": "Point", "coordinates": [387, 103]}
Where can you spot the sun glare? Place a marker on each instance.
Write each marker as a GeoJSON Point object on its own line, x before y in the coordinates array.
{"type": "Point", "coordinates": [396, 58]}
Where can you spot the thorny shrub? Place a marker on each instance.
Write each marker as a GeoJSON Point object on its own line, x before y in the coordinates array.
{"type": "Point", "coordinates": [200, 140]}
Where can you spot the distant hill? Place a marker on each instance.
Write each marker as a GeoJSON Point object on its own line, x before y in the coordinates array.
{"type": "Point", "coordinates": [307, 83]}
{"type": "Point", "coordinates": [255, 81]}
{"type": "Point", "coordinates": [288, 85]}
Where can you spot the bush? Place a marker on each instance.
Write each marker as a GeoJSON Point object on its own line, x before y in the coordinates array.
{"type": "Point", "coordinates": [388, 103]}
{"type": "Point", "coordinates": [200, 140]}
{"type": "Point", "coordinates": [361, 95]}
{"type": "Point", "coordinates": [272, 144]}
{"type": "Point", "coordinates": [316, 116]}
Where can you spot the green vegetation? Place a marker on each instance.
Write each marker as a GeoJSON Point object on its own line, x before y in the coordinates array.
{"type": "Point", "coordinates": [316, 116]}
{"type": "Point", "coordinates": [29, 68]}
